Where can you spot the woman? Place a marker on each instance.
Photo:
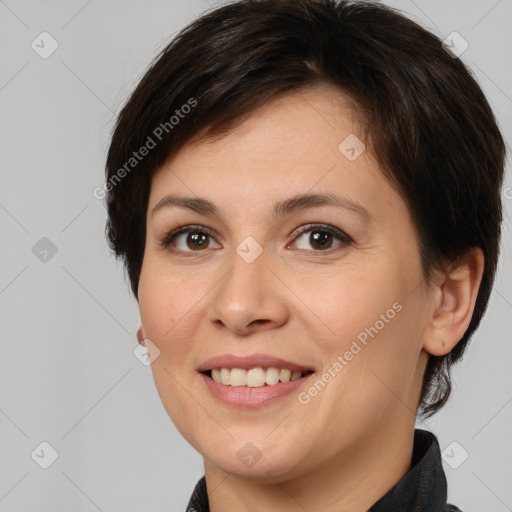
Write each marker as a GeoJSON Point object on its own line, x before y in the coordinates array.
{"type": "Point", "coordinates": [306, 196]}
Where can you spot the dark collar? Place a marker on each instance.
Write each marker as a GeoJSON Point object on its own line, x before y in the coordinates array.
{"type": "Point", "coordinates": [422, 489]}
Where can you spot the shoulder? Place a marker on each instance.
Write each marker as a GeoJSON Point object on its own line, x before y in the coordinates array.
{"type": "Point", "coordinates": [452, 508]}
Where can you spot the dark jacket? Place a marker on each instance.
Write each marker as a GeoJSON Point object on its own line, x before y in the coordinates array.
{"type": "Point", "coordinates": [422, 489]}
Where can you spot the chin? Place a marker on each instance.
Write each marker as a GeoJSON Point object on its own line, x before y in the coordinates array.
{"type": "Point", "coordinates": [262, 460]}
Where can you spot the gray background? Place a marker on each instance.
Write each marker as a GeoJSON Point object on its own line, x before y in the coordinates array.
{"type": "Point", "coordinates": [68, 372]}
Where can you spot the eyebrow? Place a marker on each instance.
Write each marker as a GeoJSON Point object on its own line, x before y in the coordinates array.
{"type": "Point", "coordinates": [281, 209]}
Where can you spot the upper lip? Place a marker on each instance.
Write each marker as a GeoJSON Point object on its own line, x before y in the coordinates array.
{"type": "Point", "coordinates": [252, 361]}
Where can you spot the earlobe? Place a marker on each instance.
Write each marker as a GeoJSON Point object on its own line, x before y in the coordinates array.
{"type": "Point", "coordinates": [140, 334]}
{"type": "Point", "coordinates": [455, 304]}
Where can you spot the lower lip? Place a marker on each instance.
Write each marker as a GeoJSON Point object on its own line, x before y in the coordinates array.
{"type": "Point", "coordinates": [249, 398]}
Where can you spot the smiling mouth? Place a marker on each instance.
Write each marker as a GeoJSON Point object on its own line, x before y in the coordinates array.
{"type": "Point", "coordinates": [255, 377]}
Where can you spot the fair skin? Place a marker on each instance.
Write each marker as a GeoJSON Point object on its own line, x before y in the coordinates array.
{"type": "Point", "coordinates": [353, 441]}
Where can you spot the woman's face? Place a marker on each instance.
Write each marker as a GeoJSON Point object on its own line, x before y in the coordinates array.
{"type": "Point", "coordinates": [331, 285]}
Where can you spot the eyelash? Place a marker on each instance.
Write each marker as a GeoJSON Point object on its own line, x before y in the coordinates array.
{"type": "Point", "coordinates": [345, 240]}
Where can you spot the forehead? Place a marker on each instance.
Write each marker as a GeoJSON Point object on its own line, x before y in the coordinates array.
{"type": "Point", "coordinates": [299, 136]}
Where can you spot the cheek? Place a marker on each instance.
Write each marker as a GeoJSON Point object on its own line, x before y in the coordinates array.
{"type": "Point", "coordinates": [350, 301]}
{"type": "Point", "coordinates": [181, 406]}
{"type": "Point", "coordinates": [369, 319]}
{"type": "Point", "coordinates": [379, 341]}
{"type": "Point", "coordinates": [166, 302]}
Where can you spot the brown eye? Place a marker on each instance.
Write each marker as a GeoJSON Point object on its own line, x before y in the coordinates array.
{"type": "Point", "coordinates": [188, 239]}
{"type": "Point", "coordinates": [196, 241]}
{"type": "Point", "coordinates": [321, 238]}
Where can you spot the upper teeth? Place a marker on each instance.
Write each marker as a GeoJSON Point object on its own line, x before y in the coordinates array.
{"type": "Point", "coordinates": [255, 377]}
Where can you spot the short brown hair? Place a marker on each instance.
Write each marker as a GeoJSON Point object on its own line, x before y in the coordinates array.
{"type": "Point", "coordinates": [426, 121]}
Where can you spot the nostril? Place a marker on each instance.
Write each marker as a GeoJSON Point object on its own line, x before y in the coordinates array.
{"type": "Point", "coordinates": [259, 321]}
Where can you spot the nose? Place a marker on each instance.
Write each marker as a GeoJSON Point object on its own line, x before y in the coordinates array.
{"type": "Point", "coordinates": [249, 298]}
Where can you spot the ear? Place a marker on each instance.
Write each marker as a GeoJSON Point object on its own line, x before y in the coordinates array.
{"type": "Point", "coordinates": [454, 297]}
{"type": "Point", "coordinates": [140, 334]}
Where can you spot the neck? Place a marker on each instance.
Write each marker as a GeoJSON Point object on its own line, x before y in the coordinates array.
{"type": "Point", "coordinates": [351, 481]}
